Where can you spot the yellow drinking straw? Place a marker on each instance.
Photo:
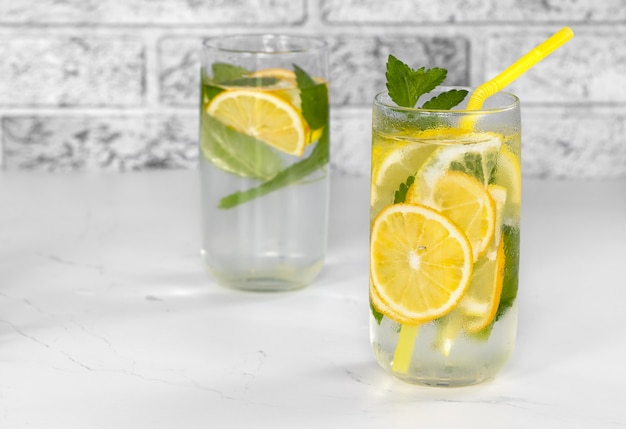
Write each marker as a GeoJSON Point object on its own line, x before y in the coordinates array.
{"type": "Point", "coordinates": [518, 68]}
{"type": "Point", "coordinates": [406, 339]}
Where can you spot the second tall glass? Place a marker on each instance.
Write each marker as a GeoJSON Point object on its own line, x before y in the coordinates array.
{"type": "Point", "coordinates": [444, 246]}
{"type": "Point", "coordinates": [264, 153]}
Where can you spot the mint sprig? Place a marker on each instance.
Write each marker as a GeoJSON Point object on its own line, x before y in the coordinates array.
{"type": "Point", "coordinates": [406, 86]}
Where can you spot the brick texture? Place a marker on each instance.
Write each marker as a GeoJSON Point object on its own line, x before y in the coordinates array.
{"type": "Point", "coordinates": [179, 70]}
{"type": "Point", "coordinates": [150, 12]}
{"type": "Point", "coordinates": [472, 11]}
{"type": "Point", "coordinates": [570, 142]}
{"type": "Point", "coordinates": [113, 85]}
{"type": "Point", "coordinates": [65, 143]}
{"type": "Point", "coordinates": [358, 63]}
{"type": "Point", "coordinates": [72, 71]}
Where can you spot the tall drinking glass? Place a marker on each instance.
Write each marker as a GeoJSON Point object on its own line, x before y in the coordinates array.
{"type": "Point", "coordinates": [264, 152]}
{"type": "Point", "coordinates": [444, 243]}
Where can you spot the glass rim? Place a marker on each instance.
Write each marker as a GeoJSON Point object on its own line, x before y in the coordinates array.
{"type": "Point", "coordinates": [311, 43]}
{"type": "Point", "coordinates": [513, 104]}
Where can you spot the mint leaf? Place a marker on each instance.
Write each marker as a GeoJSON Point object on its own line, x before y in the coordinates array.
{"type": "Point", "coordinates": [400, 83]}
{"type": "Point", "coordinates": [303, 78]}
{"type": "Point", "coordinates": [446, 100]}
{"type": "Point", "coordinates": [482, 166]}
{"type": "Point", "coordinates": [235, 152]}
{"type": "Point", "coordinates": [290, 175]}
{"type": "Point", "coordinates": [314, 98]}
{"type": "Point", "coordinates": [400, 195]}
{"type": "Point", "coordinates": [223, 72]}
{"type": "Point", "coordinates": [209, 91]}
{"type": "Point", "coordinates": [228, 74]}
{"type": "Point", "coordinates": [406, 86]}
{"type": "Point", "coordinates": [428, 79]}
{"type": "Point", "coordinates": [510, 235]}
{"type": "Point", "coordinates": [377, 314]}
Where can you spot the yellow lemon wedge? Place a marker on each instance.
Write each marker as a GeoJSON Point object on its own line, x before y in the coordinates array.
{"type": "Point", "coordinates": [420, 263]}
{"type": "Point", "coordinates": [262, 115]}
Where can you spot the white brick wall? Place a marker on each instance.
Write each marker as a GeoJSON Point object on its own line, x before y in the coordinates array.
{"type": "Point", "coordinates": [113, 85]}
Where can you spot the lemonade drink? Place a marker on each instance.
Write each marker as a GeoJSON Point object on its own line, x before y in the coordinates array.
{"type": "Point", "coordinates": [264, 160]}
{"type": "Point", "coordinates": [444, 245]}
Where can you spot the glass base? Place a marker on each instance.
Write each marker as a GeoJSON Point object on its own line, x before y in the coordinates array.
{"type": "Point", "coordinates": [446, 376]}
{"type": "Point", "coordinates": [449, 377]}
{"type": "Point", "coordinates": [278, 278]}
{"type": "Point", "coordinates": [440, 353]}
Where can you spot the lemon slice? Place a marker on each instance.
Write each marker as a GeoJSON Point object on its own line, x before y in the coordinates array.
{"type": "Point", "coordinates": [508, 174]}
{"type": "Point", "coordinates": [471, 153]}
{"type": "Point", "coordinates": [377, 302]}
{"type": "Point", "coordinates": [499, 195]}
{"type": "Point", "coordinates": [262, 115]}
{"type": "Point", "coordinates": [480, 303]}
{"type": "Point", "coordinates": [287, 88]}
{"type": "Point", "coordinates": [420, 263]}
{"type": "Point", "coordinates": [286, 85]}
{"type": "Point", "coordinates": [465, 201]}
{"type": "Point", "coordinates": [393, 161]}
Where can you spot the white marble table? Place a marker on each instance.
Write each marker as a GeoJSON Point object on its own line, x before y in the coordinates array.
{"type": "Point", "coordinates": [107, 319]}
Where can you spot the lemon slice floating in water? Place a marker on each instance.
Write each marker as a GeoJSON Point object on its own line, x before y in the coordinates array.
{"type": "Point", "coordinates": [262, 115]}
{"type": "Point", "coordinates": [420, 263]}
{"type": "Point", "coordinates": [480, 304]}
{"type": "Point", "coordinates": [465, 201]}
